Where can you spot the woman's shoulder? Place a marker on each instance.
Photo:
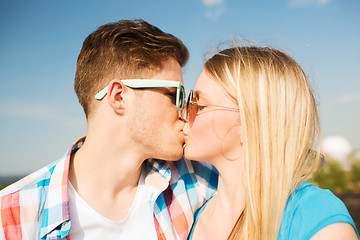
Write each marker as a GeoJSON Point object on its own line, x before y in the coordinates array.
{"type": "Point", "coordinates": [309, 198]}
{"type": "Point", "coordinates": [309, 209]}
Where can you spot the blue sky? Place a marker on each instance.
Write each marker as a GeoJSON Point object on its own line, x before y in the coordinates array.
{"type": "Point", "coordinates": [40, 40]}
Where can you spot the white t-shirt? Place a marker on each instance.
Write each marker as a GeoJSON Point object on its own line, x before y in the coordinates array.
{"type": "Point", "coordinates": [88, 224]}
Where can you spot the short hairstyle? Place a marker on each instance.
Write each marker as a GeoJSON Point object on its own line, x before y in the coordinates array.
{"type": "Point", "coordinates": [124, 49]}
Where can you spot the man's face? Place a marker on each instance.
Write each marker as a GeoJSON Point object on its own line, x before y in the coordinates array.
{"type": "Point", "coordinates": [156, 126]}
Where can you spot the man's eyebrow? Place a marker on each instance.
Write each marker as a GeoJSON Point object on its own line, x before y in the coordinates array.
{"type": "Point", "coordinates": [170, 89]}
{"type": "Point", "coordinates": [164, 90]}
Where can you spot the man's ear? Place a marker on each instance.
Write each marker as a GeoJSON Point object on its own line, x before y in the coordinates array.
{"type": "Point", "coordinates": [116, 90]}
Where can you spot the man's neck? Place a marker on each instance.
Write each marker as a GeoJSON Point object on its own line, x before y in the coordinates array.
{"type": "Point", "coordinates": [106, 176]}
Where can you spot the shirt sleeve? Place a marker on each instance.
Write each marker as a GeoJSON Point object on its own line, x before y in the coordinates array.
{"type": "Point", "coordinates": [311, 209]}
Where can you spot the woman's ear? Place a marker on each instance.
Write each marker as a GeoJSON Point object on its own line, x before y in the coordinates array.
{"type": "Point", "coordinates": [116, 90]}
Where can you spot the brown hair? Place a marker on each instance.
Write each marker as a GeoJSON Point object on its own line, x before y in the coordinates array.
{"type": "Point", "coordinates": [123, 49]}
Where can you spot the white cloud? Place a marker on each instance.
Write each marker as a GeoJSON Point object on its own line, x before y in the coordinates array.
{"type": "Point", "coordinates": [214, 9]}
{"type": "Point", "coordinates": [38, 111]}
{"type": "Point", "coordinates": [349, 98]}
{"type": "Point", "coordinates": [214, 14]}
{"type": "Point", "coordinates": [297, 3]}
{"type": "Point", "coordinates": [210, 3]}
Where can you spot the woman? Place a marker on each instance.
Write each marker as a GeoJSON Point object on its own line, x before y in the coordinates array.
{"type": "Point", "coordinates": [253, 116]}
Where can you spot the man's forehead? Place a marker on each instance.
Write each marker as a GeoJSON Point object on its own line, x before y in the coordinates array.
{"type": "Point", "coordinates": [170, 70]}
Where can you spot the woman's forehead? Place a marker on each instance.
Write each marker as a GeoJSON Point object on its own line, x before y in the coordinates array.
{"type": "Point", "coordinates": [208, 88]}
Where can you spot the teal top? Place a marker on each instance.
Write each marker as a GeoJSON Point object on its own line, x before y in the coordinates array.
{"type": "Point", "coordinates": [308, 210]}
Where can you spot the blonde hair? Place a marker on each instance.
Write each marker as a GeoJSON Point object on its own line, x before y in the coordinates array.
{"type": "Point", "coordinates": [279, 121]}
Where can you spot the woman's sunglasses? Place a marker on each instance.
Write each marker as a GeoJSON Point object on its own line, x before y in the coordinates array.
{"type": "Point", "coordinates": [193, 107]}
{"type": "Point", "coordinates": [152, 83]}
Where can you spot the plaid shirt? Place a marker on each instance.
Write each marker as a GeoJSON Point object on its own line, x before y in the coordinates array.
{"type": "Point", "coordinates": [37, 206]}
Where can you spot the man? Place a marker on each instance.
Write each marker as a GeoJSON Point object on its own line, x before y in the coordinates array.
{"type": "Point", "coordinates": [129, 83]}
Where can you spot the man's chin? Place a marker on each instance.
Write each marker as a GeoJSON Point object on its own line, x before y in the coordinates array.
{"type": "Point", "coordinates": [175, 155]}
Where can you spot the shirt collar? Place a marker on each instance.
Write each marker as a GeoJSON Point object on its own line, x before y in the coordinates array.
{"type": "Point", "coordinates": [157, 175]}
{"type": "Point", "coordinates": [56, 203]}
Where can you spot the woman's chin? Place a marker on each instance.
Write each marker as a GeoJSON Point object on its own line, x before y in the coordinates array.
{"type": "Point", "coordinates": [188, 154]}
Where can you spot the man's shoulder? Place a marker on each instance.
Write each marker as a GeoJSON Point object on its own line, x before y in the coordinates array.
{"type": "Point", "coordinates": [35, 180]}
{"type": "Point", "coordinates": [23, 202]}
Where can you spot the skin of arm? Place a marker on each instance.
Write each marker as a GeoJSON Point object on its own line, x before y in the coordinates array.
{"type": "Point", "coordinates": [336, 231]}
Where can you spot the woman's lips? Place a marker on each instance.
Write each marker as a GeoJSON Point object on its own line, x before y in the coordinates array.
{"type": "Point", "coordinates": [185, 136]}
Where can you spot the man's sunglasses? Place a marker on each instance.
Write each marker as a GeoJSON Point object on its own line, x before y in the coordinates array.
{"type": "Point", "coordinates": [193, 107]}
{"type": "Point", "coordinates": [152, 83]}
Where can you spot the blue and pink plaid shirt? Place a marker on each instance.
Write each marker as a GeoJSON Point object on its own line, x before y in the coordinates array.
{"type": "Point", "coordinates": [37, 206]}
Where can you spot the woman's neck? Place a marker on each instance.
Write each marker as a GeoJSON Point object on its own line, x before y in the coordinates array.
{"type": "Point", "coordinates": [230, 196]}
{"type": "Point", "coordinates": [224, 209]}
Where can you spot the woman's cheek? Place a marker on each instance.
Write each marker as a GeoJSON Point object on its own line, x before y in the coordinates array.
{"type": "Point", "coordinates": [203, 142]}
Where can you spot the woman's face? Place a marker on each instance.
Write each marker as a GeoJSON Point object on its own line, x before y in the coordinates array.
{"type": "Point", "coordinates": [213, 132]}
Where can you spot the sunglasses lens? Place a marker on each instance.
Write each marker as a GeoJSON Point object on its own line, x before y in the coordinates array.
{"type": "Point", "coordinates": [191, 108]}
{"type": "Point", "coordinates": [181, 98]}
{"type": "Point", "coordinates": [188, 107]}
